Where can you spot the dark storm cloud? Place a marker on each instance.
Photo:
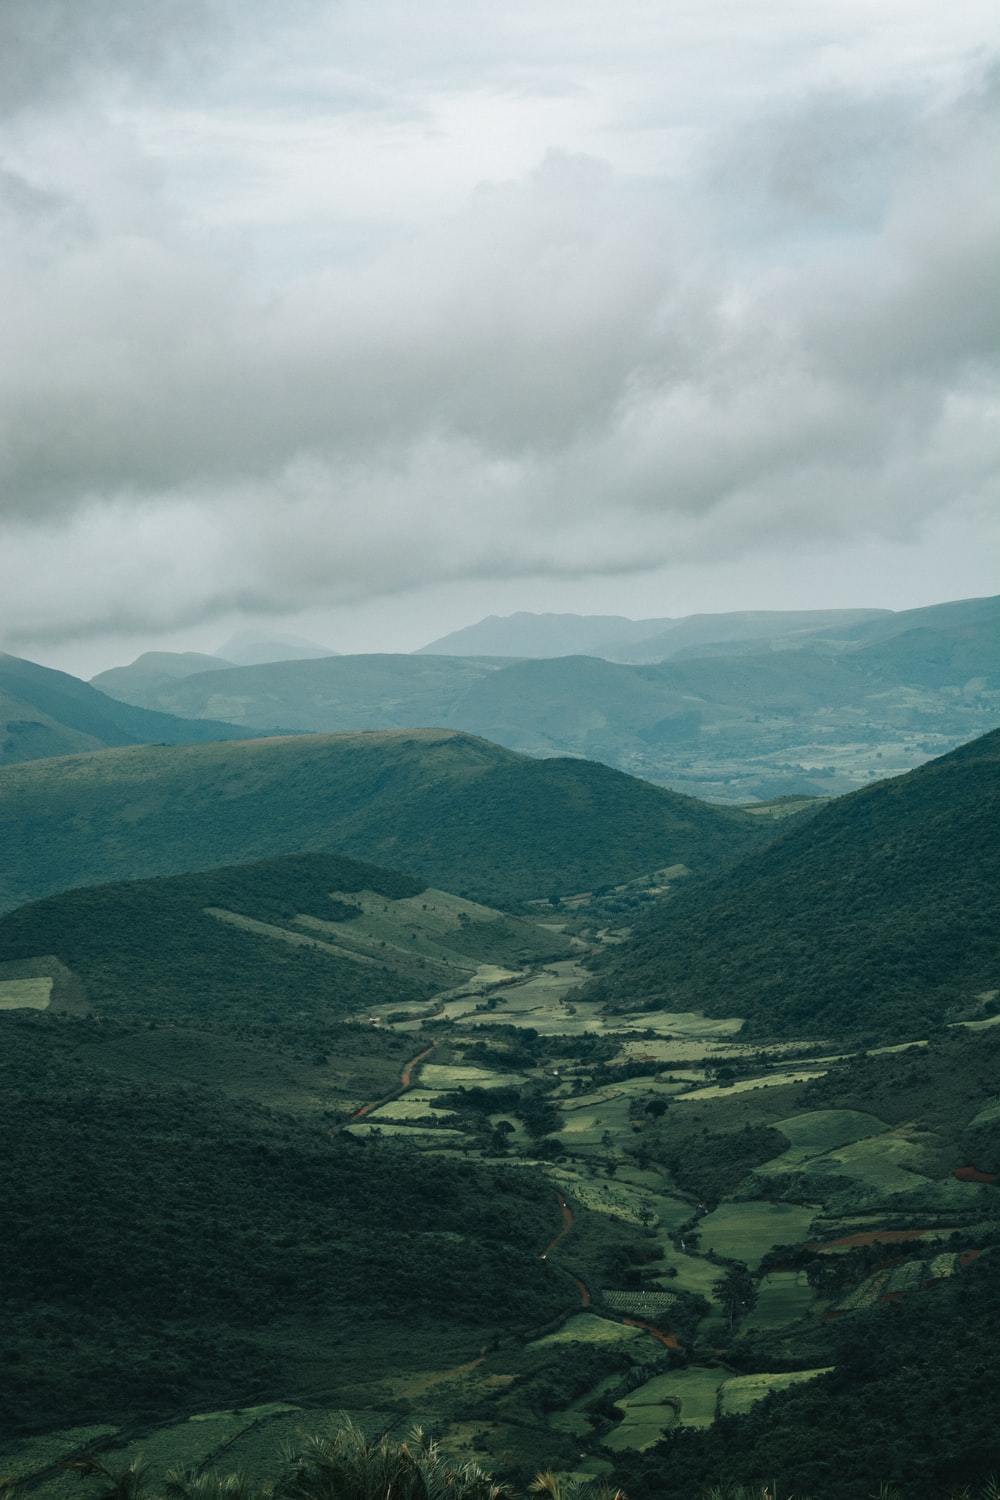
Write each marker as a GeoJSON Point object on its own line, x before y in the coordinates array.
{"type": "Point", "coordinates": [570, 369]}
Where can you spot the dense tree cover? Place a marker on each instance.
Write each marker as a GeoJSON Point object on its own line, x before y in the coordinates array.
{"type": "Point", "coordinates": [150, 949]}
{"type": "Point", "coordinates": [911, 1403]}
{"type": "Point", "coordinates": [458, 812]}
{"type": "Point", "coordinates": [153, 1234]}
{"type": "Point", "coordinates": [877, 916]}
{"type": "Point", "coordinates": [711, 1163]}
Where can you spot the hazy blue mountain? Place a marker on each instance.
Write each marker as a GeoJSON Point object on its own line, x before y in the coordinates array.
{"type": "Point", "coordinates": [956, 615]}
{"type": "Point", "coordinates": [44, 713]}
{"type": "Point", "coordinates": [372, 691]}
{"type": "Point", "coordinates": [248, 649]}
{"type": "Point", "coordinates": [740, 633]}
{"type": "Point", "coordinates": [142, 680]}
{"type": "Point", "coordinates": [525, 634]}
{"type": "Point", "coordinates": [619, 639]}
{"type": "Point", "coordinates": [824, 718]}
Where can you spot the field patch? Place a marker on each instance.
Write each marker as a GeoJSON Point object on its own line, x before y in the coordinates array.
{"type": "Point", "coordinates": [415, 1104]}
{"type": "Point", "coordinates": [783, 1297]}
{"type": "Point", "coordinates": [828, 1129]}
{"type": "Point", "coordinates": [747, 1231]}
{"type": "Point", "coordinates": [744, 1391]}
{"type": "Point", "coordinates": [25, 994]}
{"type": "Point", "coordinates": [587, 1328]}
{"type": "Point", "coordinates": [450, 1076]}
{"type": "Point", "coordinates": [744, 1085]}
{"type": "Point", "coordinates": [686, 1397]}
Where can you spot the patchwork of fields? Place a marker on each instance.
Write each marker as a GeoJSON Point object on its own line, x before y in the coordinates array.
{"type": "Point", "coordinates": [705, 1202]}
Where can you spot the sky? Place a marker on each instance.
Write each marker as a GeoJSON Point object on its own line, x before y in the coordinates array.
{"type": "Point", "coordinates": [360, 320]}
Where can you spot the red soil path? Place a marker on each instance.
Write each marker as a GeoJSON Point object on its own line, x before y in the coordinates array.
{"type": "Point", "coordinates": [404, 1084]}
{"type": "Point", "coordinates": [413, 1063]}
{"type": "Point", "coordinates": [973, 1174]}
{"type": "Point", "coordinates": [870, 1237]}
{"type": "Point", "coordinates": [567, 1225]}
{"type": "Point", "coordinates": [664, 1338]}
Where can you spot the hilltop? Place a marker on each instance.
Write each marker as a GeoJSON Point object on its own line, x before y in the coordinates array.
{"type": "Point", "coordinates": [878, 915]}
{"type": "Point", "coordinates": [454, 810]}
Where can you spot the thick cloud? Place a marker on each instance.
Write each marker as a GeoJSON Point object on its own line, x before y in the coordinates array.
{"type": "Point", "coordinates": [243, 373]}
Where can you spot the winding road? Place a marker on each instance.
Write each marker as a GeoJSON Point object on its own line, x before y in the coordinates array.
{"type": "Point", "coordinates": [404, 1084]}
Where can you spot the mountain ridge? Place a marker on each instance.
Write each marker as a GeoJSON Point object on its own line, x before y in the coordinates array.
{"type": "Point", "coordinates": [448, 807]}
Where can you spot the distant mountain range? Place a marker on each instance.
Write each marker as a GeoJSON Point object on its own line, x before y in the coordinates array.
{"type": "Point", "coordinates": [619, 639]}
{"type": "Point", "coordinates": [748, 706]}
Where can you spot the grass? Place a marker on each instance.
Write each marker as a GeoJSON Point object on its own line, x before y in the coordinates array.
{"type": "Point", "coordinates": [782, 1298]}
{"type": "Point", "coordinates": [25, 994]}
{"type": "Point", "coordinates": [827, 1129]}
{"type": "Point", "coordinates": [588, 1328]}
{"type": "Point", "coordinates": [740, 1393]}
{"type": "Point", "coordinates": [747, 1231]}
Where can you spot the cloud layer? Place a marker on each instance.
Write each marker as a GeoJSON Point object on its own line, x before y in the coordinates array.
{"type": "Point", "coordinates": [380, 317]}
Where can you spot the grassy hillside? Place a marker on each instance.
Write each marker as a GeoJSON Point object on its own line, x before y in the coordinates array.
{"type": "Point", "coordinates": [879, 914]}
{"type": "Point", "coordinates": [300, 940]}
{"type": "Point", "coordinates": [455, 811]}
{"type": "Point", "coordinates": [45, 713]}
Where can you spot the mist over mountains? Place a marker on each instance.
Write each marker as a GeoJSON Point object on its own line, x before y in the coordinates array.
{"type": "Point", "coordinates": [728, 707]}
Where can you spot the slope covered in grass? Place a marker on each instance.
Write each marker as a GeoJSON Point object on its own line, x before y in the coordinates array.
{"type": "Point", "coordinates": [154, 948]}
{"type": "Point", "coordinates": [299, 940]}
{"type": "Point", "coordinates": [459, 812]}
{"type": "Point", "coordinates": [878, 914]}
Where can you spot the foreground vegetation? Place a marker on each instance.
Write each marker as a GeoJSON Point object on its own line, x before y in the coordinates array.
{"type": "Point", "coordinates": [347, 1465]}
{"type": "Point", "coordinates": [625, 1244]}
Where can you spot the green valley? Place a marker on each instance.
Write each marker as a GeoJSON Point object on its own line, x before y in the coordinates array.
{"type": "Point", "coordinates": [312, 1137]}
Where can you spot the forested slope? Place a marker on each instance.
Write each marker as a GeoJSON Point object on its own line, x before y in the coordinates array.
{"type": "Point", "coordinates": [879, 913]}
{"type": "Point", "coordinates": [455, 811]}
{"type": "Point", "coordinates": [165, 1246]}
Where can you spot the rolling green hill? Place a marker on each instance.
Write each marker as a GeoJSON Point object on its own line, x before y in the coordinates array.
{"type": "Point", "coordinates": [45, 713]}
{"type": "Point", "coordinates": [453, 810]}
{"type": "Point", "coordinates": [879, 915]}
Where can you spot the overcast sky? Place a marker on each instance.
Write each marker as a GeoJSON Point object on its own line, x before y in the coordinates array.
{"type": "Point", "coordinates": [363, 319]}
